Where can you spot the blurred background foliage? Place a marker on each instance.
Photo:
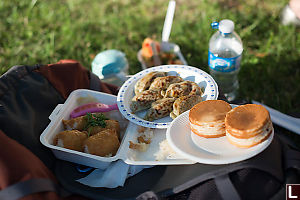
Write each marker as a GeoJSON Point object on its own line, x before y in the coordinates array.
{"type": "Point", "coordinates": [42, 32]}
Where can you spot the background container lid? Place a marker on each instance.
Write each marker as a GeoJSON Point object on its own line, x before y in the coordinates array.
{"type": "Point", "coordinates": [109, 62]}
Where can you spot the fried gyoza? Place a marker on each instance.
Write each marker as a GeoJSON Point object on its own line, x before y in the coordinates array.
{"type": "Point", "coordinates": [183, 104]}
{"type": "Point", "coordinates": [70, 139]}
{"type": "Point", "coordinates": [196, 89]}
{"type": "Point", "coordinates": [183, 89]}
{"type": "Point", "coordinates": [144, 83]}
{"type": "Point", "coordinates": [162, 83]}
{"type": "Point", "coordinates": [144, 100]}
{"type": "Point", "coordinates": [159, 109]}
{"type": "Point", "coordinates": [104, 143]}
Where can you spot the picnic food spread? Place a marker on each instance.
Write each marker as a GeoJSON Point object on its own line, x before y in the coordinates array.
{"type": "Point", "coordinates": [164, 95]}
{"type": "Point", "coordinates": [92, 133]}
{"type": "Point", "coordinates": [152, 95]}
{"type": "Point", "coordinates": [244, 126]}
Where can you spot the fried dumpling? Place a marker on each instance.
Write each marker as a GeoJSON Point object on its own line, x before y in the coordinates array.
{"type": "Point", "coordinates": [183, 104]}
{"type": "Point", "coordinates": [104, 143]}
{"type": "Point", "coordinates": [70, 139]}
{"type": "Point", "coordinates": [144, 100]}
{"type": "Point", "coordinates": [162, 83]}
{"type": "Point", "coordinates": [110, 124]}
{"type": "Point", "coordinates": [145, 82]}
{"type": "Point", "coordinates": [196, 89]}
{"type": "Point", "coordinates": [79, 123]}
{"type": "Point", "coordinates": [182, 89]}
{"type": "Point", "coordinates": [159, 109]}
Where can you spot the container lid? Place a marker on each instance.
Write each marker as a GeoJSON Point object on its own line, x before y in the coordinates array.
{"type": "Point", "coordinates": [109, 62]}
{"type": "Point", "coordinates": [226, 26]}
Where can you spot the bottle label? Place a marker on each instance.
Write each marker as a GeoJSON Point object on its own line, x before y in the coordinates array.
{"type": "Point", "coordinates": [223, 64]}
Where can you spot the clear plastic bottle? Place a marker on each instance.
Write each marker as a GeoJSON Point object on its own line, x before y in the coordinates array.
{"type": "Point", "coordinates": [224, 57]}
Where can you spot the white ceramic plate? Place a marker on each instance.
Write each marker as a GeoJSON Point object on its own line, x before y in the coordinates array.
{"type": "Point", "coordinates": [207, 151]}
{"type": "Point", "coordinates": [126, 92]}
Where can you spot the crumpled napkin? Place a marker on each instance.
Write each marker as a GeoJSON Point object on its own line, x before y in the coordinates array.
{"type": "Point", "coordinates": [113, 176]}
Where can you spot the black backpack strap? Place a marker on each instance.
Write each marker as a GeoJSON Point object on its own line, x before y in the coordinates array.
{"type": "Point", "coordinates": [292, 158]}
{"type": "Point", "coordinates": [226, 188]}
{"type": "Point", "coordinates": [291, 153]}
{"type": "Point", "coordinates": [220, 175]}
{"type": "Point", "coordinates": [31, 186]}
{"type": "Point", "coordinates": [262, 162]}
{"type": "Point", "coordinates": [223, 183]}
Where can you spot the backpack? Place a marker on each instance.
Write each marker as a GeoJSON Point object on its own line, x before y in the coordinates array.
{"type": "Point", "coordinates": [28, 95]}
{"type": "Point", "coordinates": [28, 170]}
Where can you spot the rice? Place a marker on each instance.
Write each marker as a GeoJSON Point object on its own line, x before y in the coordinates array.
{"type": "Point", "coordinates": [164, 151]}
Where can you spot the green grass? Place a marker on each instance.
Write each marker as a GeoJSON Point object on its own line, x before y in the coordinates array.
{"type": "Point", "coordinates": [41, 32]}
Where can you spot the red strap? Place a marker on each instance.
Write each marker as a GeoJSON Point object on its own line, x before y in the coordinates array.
{"type": "Point", "coordinates": [66, 77]}
{"type": "Point", "coordinates": [67, 61]}
{"type": "Point", "coordinates": [69, 75]}
{"type": "Point", "coordinates": [18, 164]}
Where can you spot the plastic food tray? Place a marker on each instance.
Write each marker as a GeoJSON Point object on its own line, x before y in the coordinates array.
{"type": "Point", "coordinates": [167, 47]}
{"type": "Point", "coordinates": [129, 156]}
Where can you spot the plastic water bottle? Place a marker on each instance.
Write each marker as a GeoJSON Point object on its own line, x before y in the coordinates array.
{"type": "Point", "coordinates": [224, 57]}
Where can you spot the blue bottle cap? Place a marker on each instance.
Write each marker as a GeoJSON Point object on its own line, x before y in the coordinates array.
{"type": "Point", "coordinates": [215, 25]}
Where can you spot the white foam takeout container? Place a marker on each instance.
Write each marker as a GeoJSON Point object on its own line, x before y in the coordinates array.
{"type": "Point", "coordinates": [129, 156]}
{"type": "Point", "coordinates": [167, 47]}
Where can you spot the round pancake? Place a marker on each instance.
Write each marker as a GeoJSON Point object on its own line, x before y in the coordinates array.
{"type": "Point", "coordinates": [249, 142]}
{"type": "Point", "coordinates": [246, 120]}
{"type": "Point", "coordinates": [209, 111]}
{"type": "Point", "coordinates": [218, 133]}
{"type": "Point", "coordinates": [246, 135]}
{"type": "Point", "coordinates": [207, 118]}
